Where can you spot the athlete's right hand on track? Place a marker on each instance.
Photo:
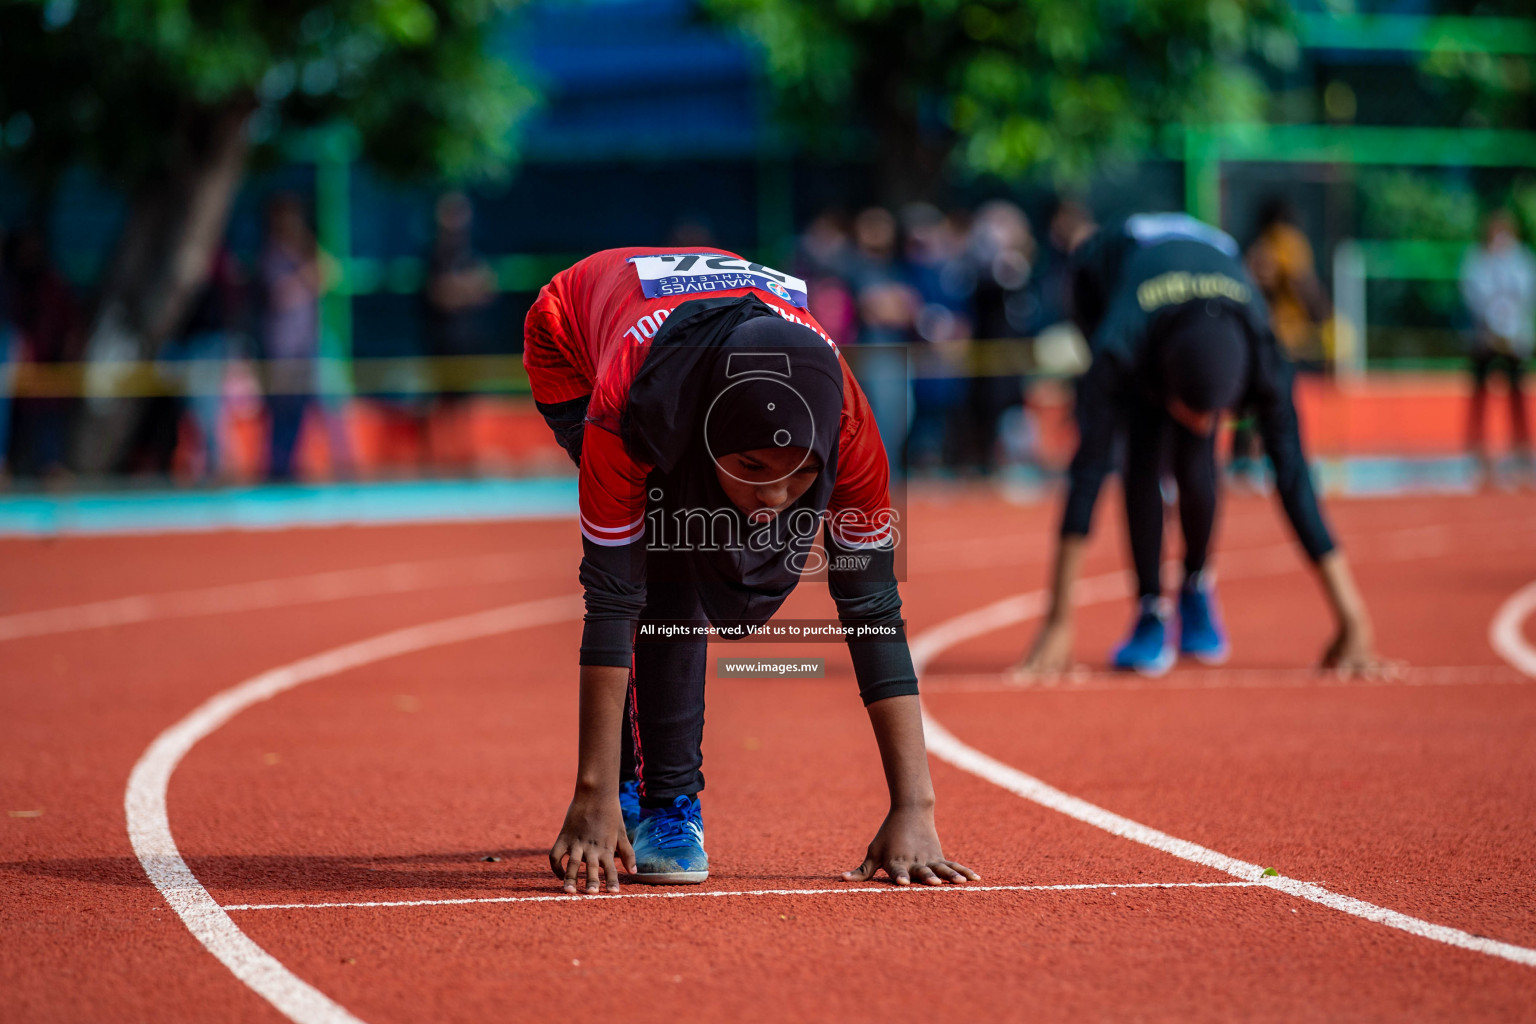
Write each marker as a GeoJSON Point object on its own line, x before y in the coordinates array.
{"type": "Point", "coordinates": [1049, 656]}
{"type": "Point", "coordinates": [1352, 655]}
{"type": "Point", "coordinates": [907, 849]}
{"type": "Point", "coordinates": [593, 832]}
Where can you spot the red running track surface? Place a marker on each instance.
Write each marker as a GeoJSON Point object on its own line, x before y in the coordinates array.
{"type": "Point", "coordinates": [393, 782]}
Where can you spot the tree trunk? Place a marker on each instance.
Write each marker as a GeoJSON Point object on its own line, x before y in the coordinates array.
{"type": "Point", "coordinates": [162, 259]}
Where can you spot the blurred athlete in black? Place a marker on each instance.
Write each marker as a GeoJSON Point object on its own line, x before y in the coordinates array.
{"type": "Point", "coordinates": [1178, 335]}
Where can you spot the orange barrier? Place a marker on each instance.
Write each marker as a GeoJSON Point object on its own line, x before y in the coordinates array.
{"type": "Point", "coordinates": [1397, 414]}
{"type": "Point", "coordinates": [1385, 414]}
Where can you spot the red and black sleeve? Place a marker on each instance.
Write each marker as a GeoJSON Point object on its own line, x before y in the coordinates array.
{"type": "Point", "coordinates": [863, 530]}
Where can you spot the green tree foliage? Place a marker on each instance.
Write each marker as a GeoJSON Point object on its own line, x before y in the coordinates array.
{"type": "Point", "coordinates": [123, 85]}
{"type": "Point", "coordinates": [1491, 89]}
{"type": "Point", "coordinates": [1416, 205]}
{"type": "Point", "coordinates": [1010, 86]}
{"type": "Point", "coordinates": [170, 100]}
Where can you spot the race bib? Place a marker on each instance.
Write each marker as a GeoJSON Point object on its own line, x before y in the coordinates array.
{"type": "Point", "coordinates": [695, 274]}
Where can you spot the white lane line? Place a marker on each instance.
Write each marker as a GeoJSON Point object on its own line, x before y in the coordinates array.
{"type": "Point", "coordinates": [149, 827]}
{"type": "Point", "coordinates": [1288, 678]}
{"type": "Point", "coordinates": [947, 747]}
{"type": "Point", "coordinates": [313, 588]}
{"type": "Point", "coordinates": [845, 891]}
{"type": "Point", "coordinates": [1505, 633]}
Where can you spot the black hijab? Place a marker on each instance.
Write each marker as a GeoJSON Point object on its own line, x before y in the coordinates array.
{"type": "Point", "coordinates": [1205, 356]}
{"type": "Point", "coordinates": [726, 376]}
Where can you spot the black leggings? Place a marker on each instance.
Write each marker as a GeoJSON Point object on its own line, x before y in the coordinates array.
{"type": "Point", "coordinates": [665, 709]}
{"type": "Point", "coordinates": [1150, 436]}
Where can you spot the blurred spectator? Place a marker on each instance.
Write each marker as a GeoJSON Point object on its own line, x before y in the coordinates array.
{"type": "Point", "coordinates": [461, 286]}
{"type": "Point", "coordinates": [1071, 225]}
{"type": "Point", "coordinates": [1498, 282]}
{"type": "Point", "coordinates": [1046, 299]}
{"type": "Point", "coordinates": [204, 346]}
{"type": "Point", "coordinates": [941, 280]}
{"type": "Point", "coordinates": [290, 330]}
{"type": "Point", "coordinates": [824, 259]}
{"type": "Point", "coordinates": [887, 309]}
{"type": "Point", "coordinates": [938, 271]}
{"type": "Point", "coordinates": [44, 315]}
{"type": "Point", "coordinates": [1280, 260]}
{"type": "Point", "coordinates": [1002, 251]}
{"type": "Point", "coordinates": [886, 302]}
{"type": "Point", "coordinates": [1001, 248]}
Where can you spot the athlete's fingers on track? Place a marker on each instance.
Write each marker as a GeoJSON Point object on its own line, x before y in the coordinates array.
{"type": "Point", "coordinates": [927, 876]}
{"type": "Point", "coordinates": [595, 871]}
{"type": "Point", "coordinates": [1369, 670]}
{"type": "Point", "coordinates": [863, 873]}
{"type": "Point", "coordinates": [899, 874]}
{"type": "Point", "coordinates": [557, 856]}
{"type": "Point", "coordinates": [955, 865]}
{"type": "Point", "coordinates": [626, 853]}
{"type": "Point", "coordinates": [573, 867]}
{"type": "Point", "coordinates": [611, 872]}
{"type": "Point", "coordinates": [945, 870]}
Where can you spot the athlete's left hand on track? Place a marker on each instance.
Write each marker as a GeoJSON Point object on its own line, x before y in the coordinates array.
{"type": "Point", "coordinates": [907, 848]}
{"type": "Point", "coordinates": [592, 843]}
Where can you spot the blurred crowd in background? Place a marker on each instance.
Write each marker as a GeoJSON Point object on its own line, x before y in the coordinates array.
{"type": "Point", "coordinates": [938, 281]}
{"type": "Point", "coordinates": [248, 348]}
{"type": "Point", "coordinates": [950, 317]}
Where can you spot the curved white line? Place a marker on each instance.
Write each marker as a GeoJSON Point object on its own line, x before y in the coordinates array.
{"type": "Point", "coordinates": [1505, 632]}
{"type": "Point", "coordinates": [944, 745]}
{"type": "Point", "coordinates": [149, 827]}
{"type": "Point", "coordinates": [337, 585]}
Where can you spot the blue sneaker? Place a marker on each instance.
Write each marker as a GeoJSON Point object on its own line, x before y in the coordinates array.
{"type": "Point", "coordinates": [669, 843]}
{"type": "Point", "coordinates": [629, 803]}
{"type": "Point", "coordinates": [1201, 635]}
{"type": "Point", "coordinates": [1147, 650]}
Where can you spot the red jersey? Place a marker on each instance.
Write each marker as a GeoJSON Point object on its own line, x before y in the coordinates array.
{"type": "Point", "coordinates": [589, 332]}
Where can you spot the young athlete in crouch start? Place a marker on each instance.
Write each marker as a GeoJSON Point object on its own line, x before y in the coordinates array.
{"type": "Point", "coordinates": [1179, 335]}
{"type": "Point", "coordinates": [716, 428]}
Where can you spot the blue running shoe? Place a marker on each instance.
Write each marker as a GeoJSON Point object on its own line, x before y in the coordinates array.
{"type": "Point", "coordinates": [1147, 650]}
{"type": "Point", "coordinates": [629, 803]}
{"type": "Point", "coordinates": [669, 843]}
{"type": "Point", "coordinates": [1201, 635]}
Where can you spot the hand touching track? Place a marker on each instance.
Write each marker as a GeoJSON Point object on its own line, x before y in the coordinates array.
{"type": "Point", "coordinates": [907, 849]}
{"type": "Point", "coordinates": [593, 832]}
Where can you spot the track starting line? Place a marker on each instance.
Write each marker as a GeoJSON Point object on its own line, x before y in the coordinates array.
{"type": "Point", "coordinates": [845, 891]}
